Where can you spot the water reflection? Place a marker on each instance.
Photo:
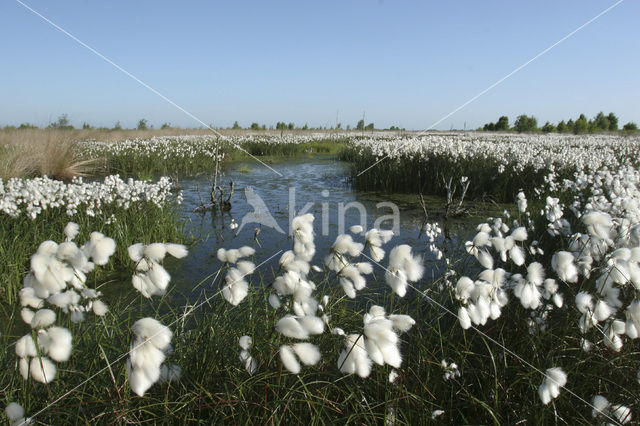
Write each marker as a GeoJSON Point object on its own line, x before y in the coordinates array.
{"type": "Point", "coordinates": [317, 185]}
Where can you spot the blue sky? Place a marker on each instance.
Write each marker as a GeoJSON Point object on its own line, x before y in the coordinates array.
{"type": "Point", "coordinates": [406, 63]}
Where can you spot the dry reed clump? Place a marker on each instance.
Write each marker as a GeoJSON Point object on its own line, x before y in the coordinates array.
{"type": "Point", "coordinates": [52, 153]}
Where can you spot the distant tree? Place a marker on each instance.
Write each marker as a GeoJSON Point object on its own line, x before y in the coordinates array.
{"type": "Point", "coordinates": [281, 125]}
{"type": "Point", "coordinates": [117, 126]}
{"type": "Point", "coordinates": [502, 124]}
{"type": "Point", "coordinates": [305, 127]}
{"type": "Point", "coordinates": [581, 126]}
{"type": "Point", "coordinates": [562, 127]}
{"type": "Point", "coordinates": [570, 125]}
{"type": "Point", "coordinates": [602, 122]}
{"type": "Point", "coordinates": [86, 126]}
{"type": "Point", "coordinates": [360, 125]}
{"type": "Point", "coordinates": [166, 126]}
{"type": "Point", "coordinates": [548, 128]}
{"type": "Point", "coordinates": [143, 124]}
{"type": "Point", "coordinates": [338, 126]}
{"type": "Point", "coordinates": [613, 121]}
{"type": "Point", "coordinates": [25, 126]}
{"type": "Point", "coordinates": [236, 125]}
{"type": "Point", "coordinates": [63, 123]}
{"type": "Point", "coordinates": [255, 126]}
{"type": "Point", "coordinates": [526, 124]}
{"type": "Point", "coordinates": [291, 126]}
{"type": "Point", "coordinates": [630, 127]}
{"type": "Point", "coordinates": [489, 127]}
{"type": "Point", "coordinates": [369, 126]}
{"type": "Point", "coordinates": [348, 127]}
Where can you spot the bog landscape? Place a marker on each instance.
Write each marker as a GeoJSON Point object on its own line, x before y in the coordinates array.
{"type": "Point", "coordinates": [508, 289]}
{"type": "Point", "coordinates": [388, 255]}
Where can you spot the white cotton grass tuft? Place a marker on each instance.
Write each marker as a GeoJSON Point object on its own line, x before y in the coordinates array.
{"type": "Point", "coordinates": [375, 238]}
{"type": "Point", "coordinates": [250, 364]}
{"type": "Point", "coordinates": [27, 315]}
{"type": "Point", "coordinates": [380, 339]}
{"type": "Point", "coordinates": [403, 268]}
{"type": "Point", "coordinates": [236, 287]}
{"type": "Point", "coordinates": [99, 248]}
{"type": "Point", "coordinates": [451, 370]}
{"type": "Point", "coordinates": [356, 229]}
{"type": "Point", "coordinates": [178, 251]}
{"type": "Point", "coordinates": [522, 202]}
{"type": "Point", "coordinates": [402, 323]}
{"type": "Point", "coordinates": [14, 411]}
{"type": "Point", "coordinates": [26, 347]}
{"type": "Point", "coordinates": [603, 408]}
{"type": "Point", "coordinates": [353, 358]}
{"type": "Point", "coordinates": [344, 244]}
{"type": "Point", "coordinates": [516, 254]}
{"type": "Point", "coordinates": [136, 252]}
{"type": "Point", "coordinates": [246, 267]}
{"type": "Point", "coordinates": [71, 231]}
{"type": "Point", "coordinates": [43, 318]}
{"type": "Point", "coordinates": [28, 298]}
{"type": "Point", "coordinates": [155, 251]}
{"type": "Point", "coordinates": [554, 379]}
{"type": "Point", "coordinates": [42, 370]}
{"type": "Point", "coordinates": [535, 273]}
{"type": "Point", "coordinates": [274, 301]}
{"type": "Point", "coordinates": [485, 259]}
{"type": "Point", "coordinates": [519, 234]}
{"type": "Point", "coordinates": [393, 375]}
{"type": "Point", "coordinates": [64, 300]}
{"type": "Point", "coordinates": [147, 353]}
{"type": "Point", "coordinates": [150, 277]}
{"type": "Point", "coordinates": [562, 263]}
{"type": "Point", "coordinates": [233, 255]}
{"type": "Point", "coordinates": [289, 360]}
{"type": "Point", "coordinates": [464, 318]}
{"type": "Point", "coordinates": [308, 353]}
{"type": "Point", "coordinates": [56, 342]}
{"type": "Point", "coordinates": [245, 342]}
{"type": "Point", "coordinates": [246, 251]}
{"type": "Point", "coordinates": [99, 308]}
{"type": "Point", "coordinates": [584, 302]}
{"type": "Point", "coordinates": [438, 413]}
{"type": "Point", "coordinates": [289, 326]}
{"type": "Point", "coordinates": [15, 414]}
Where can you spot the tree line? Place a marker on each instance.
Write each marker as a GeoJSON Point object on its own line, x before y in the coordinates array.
{"type": "Point", "coordinates": [599, 123]}
{"type": "Point", "coordinates": [63, 123]}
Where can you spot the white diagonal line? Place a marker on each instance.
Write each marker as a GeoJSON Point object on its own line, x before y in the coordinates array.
{"type": "Point", "coordinates": [128, 74]}
{"type": "Point", "coordinates": [590, 21]}
{"type": "Point", "coordinates": [527, 363]}
{"type": "Point", "coordinates": [121, 357]}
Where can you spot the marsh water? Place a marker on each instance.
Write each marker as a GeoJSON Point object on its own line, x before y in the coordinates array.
{"type": "Point", "coordinates": [264, 202]}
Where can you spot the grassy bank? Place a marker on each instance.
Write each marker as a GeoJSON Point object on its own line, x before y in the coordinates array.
{"type": "Point", "coordinates": [67, 153]}
{"type": "Point", "coordinates": [409, 174]}
{"type": "Point", "coordinates": [494, 386]}
{"type": "Point", "coordinates": [497, 166]}
{"type": "Point", "coordinates": [36, 210]}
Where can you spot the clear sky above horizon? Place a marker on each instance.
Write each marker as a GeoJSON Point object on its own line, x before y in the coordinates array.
{"type": "Point", "coordinates": [403, 63]}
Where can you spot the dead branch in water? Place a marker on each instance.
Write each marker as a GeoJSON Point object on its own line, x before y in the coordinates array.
{"type": "Point", "coordinates": [451, 209]}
